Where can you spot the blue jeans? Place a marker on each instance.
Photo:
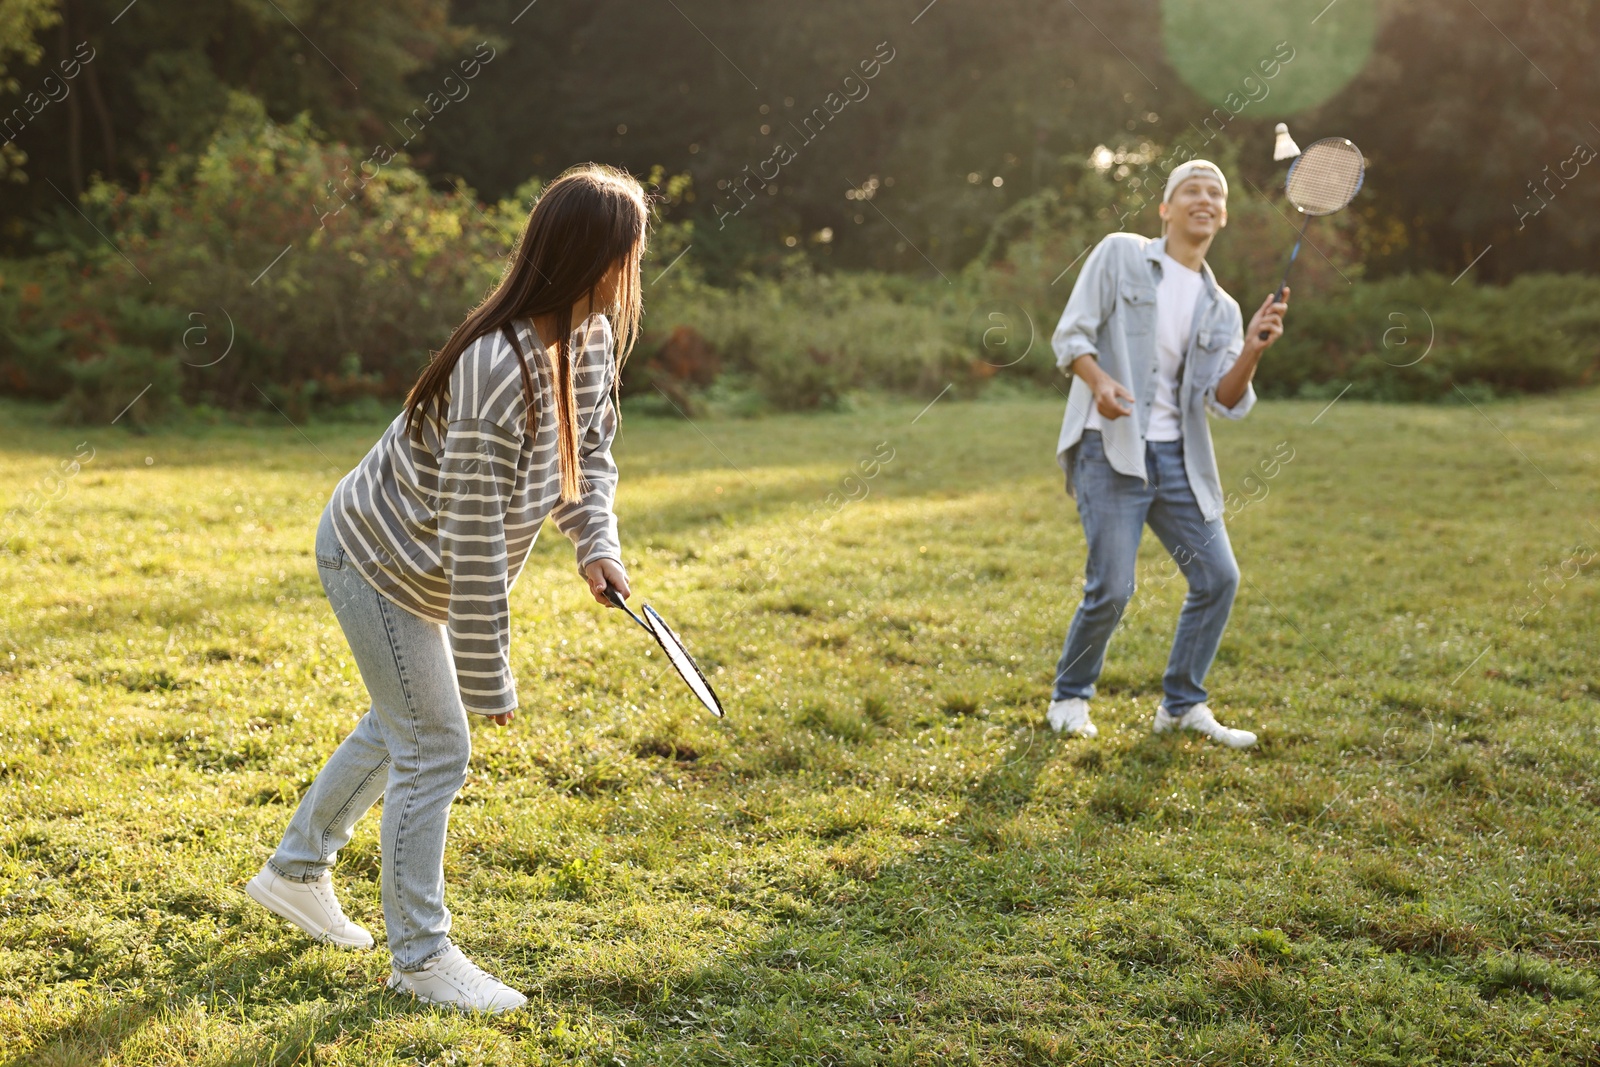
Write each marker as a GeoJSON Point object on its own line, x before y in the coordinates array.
{"type": "Point", "coordinates": [411, 746]}
{"type": "Point", "coordinates": [1114, 508]}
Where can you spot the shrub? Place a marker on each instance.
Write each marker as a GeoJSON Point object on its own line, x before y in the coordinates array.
{"type": "Point", "coordinates": [1418, 337]}
{"type": "Point", "coordinates": [38, 314]}
{"type": "Point", "coordinates": [278, 268]}
{"type": "Point", "coordinates": [682, 361]}
{"type": "Point", "coordinates": [123, 382]}
{"type": "Point", "coordinates": [319, 273]}
{"type": "Point", "coordinates": [806, 340]}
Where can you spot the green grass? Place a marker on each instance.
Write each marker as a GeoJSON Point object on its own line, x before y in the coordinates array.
{"type": "Point", "coordinates": [879, 857]}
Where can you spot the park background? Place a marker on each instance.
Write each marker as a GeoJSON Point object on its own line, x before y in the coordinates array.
{"type": "Point", "coordinates": [231, 234]}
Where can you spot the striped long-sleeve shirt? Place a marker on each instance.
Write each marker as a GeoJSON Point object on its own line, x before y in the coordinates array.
{"type": "Point", "coordinates": [440, 520]}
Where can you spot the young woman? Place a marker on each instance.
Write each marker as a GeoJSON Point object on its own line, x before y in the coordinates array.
{"type": "Point", "coordinates": [420, 545]}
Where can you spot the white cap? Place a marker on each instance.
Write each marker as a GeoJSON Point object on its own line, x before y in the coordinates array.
{"type": "Point", "coordinates": [1188, 169]}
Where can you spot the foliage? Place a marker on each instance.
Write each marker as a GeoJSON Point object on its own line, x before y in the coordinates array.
{"type": "Point", "coordinates": [283, 270]}
{"type": "Point", "coordinates": [161, 76]}
{"type": "Point", "coordinates": [39, 310]}
{"type": "Point", "coordinates": [882, 856]}
{"type": "Point", "coordinates": [1023, 90]}
{"type": "Point", "coordinates": [21, 21]}
{"type": "Point", "coordinates": [963, 105]}
{"type": "Point", "coordinates": [1462, 176]}
{"type": "Point", "coordinates": [1418, 338]}
{"type": "Point", "coordinates": [808, 339]}
{"type": "Point", "coordinates": [286, 269]}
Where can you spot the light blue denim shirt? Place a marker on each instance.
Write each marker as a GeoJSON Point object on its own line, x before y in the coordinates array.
{"type": "Point", "coordinates": [1112, 314]}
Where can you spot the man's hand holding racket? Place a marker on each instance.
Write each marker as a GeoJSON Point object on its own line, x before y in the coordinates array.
{"type": "Point", "coordinates": [1266, 325]}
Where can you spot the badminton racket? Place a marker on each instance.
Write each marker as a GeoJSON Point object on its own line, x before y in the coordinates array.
{"type": "Point", "coordinates": [1322, 179]}
{"type": "Point", "coordinates": [654, 625]}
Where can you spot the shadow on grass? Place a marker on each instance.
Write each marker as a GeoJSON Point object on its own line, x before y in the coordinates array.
{"type": "Point", "coordinates": [859, 979]}
{"type": "Point", "coordinates": [101, 1035]}
{"type": "Point", "coordinates": [94, 1036]}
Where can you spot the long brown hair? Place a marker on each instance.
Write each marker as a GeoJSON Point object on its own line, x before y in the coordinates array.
{"type": "Point", "coordinates": [588, 219]}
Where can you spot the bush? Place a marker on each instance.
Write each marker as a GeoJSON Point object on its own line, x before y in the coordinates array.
{"type": "Point", "coordinates": [277, 268]}
{"type": "Point", "coordinates": [806, 340]}
{"type": "Point", "coordinates": [38, 316]}
{"type": "Point", "coordinates": [1419, 337]}
{"type": "Point", "coordinates": [273, 264]}
{"type": "Point", "coordinates": [124, 382]}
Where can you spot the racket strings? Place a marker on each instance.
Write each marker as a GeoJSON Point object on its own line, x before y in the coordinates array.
{"type": "Point", "coordinates": [1325, 177]}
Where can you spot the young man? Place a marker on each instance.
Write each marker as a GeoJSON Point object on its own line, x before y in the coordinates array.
{"type": "Point", "coordinates": [1153, 344]}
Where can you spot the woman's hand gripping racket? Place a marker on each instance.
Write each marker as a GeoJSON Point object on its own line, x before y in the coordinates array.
{"type": "Point", "coordinates": [654, 625]}
{"type": "Point", "coordinates": [1322, 180]}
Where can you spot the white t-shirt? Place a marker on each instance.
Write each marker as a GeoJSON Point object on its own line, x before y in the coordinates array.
{"type": "Point", "coordinates": [1175, 301]}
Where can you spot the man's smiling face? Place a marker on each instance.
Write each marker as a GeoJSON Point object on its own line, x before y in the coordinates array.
{"type": "Point", "coordinates": [1198, 207]}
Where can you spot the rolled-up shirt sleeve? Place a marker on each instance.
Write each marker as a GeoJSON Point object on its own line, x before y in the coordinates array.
{"type": "Point", "coordinates": [1091, 303]}
{"type": "Point", "coordinates": [1248, 400]}
{"type": "Point", "coordinates": [477, 474]}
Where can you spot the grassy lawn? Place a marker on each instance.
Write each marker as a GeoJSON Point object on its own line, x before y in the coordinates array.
{"type": "Point", "coordinates": [880, 856]}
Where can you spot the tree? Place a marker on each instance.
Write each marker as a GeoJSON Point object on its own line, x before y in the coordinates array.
{"type": "Point", "coordinates": [157, 77]}
{"type": "Point", "coordinates": [21, 21]}
{"type": "Point", "coordinates": [1470, 116]}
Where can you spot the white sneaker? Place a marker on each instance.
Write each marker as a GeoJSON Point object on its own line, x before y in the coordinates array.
{"type": "Point", "coordinates": [309, 905]}
{"type": "Point", "coordinates": [451, 978]}
{"type": "Point", "coordinates": [1071, 717]}
{"type": "Point", "coordinates": [1200, 719]}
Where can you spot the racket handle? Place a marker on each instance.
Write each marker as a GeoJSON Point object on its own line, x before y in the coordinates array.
{"type": "Point", "coordinates": [1278, 298]}
{"type": "Point", "coordinates": [1266, 334]}
{"type": "Point", "coordinates": [1284, 283]}
{"type": "Point", "coordinates": [616, 599]}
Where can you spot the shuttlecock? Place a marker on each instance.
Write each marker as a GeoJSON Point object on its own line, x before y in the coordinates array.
{"type": "Point", "coordinates": [1285, 148]}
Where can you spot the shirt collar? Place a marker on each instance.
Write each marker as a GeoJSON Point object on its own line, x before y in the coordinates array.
{"type": "Point", "coordinates": [1157, 245]}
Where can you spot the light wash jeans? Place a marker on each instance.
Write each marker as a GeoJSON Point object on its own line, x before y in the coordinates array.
{"type": "Point", "coordinates": [1114, 508]}
{"type": "Point", "coordinates": [411, 746]}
